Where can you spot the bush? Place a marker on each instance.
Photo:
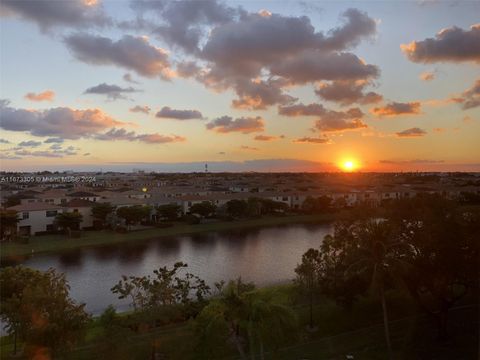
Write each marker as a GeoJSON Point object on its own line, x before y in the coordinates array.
{"type": "Point", "coordinates": [163, 225]}
{"type": "Point", "coordinates": [191, 219]}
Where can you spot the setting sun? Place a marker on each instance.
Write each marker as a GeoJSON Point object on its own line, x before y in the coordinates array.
{"type": "Point", "coordinates": [349, 165]}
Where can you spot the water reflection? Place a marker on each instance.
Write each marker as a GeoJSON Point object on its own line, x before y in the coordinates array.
{"type": "Point", "coordinates": [264, 256]}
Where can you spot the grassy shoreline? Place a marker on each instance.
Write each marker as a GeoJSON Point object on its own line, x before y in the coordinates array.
{"type": "Point", "coordinates": [59, 243]}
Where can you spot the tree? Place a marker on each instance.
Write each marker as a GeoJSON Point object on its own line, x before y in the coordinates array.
{"type": "Point", "coordinates": [8, 223]}
{"type": "Point", "coordinates": [100, 212]}
{"type": "Point", "coordinates": [372, 251]}
{"type": "Point", "coordinates": [317, 205]}
{"type": "Point", "coordinates": [166, 287]}
{"type": "Point", "coordinates": [133, 214]}
{"type": "Point", "coordinates": [246, 317]}
{"type": "Point", "coordinates": [237, 208]}
{"type": "Point", "coordinates": [308, 278]}
{"type": "Point", "coordinates": [204, 209]}
{"type": "Point", "coordinates": [37, 309]}
{"type": "Point", "coordinates": [169, 211]}
{"type": "Point", "coordinates": [444, 252]}
{"type": "Point", "coordinates": [68, 221]}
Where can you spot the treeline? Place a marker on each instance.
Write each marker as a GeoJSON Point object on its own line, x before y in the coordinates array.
{"type": "Point", "coordinates": [426, 248]}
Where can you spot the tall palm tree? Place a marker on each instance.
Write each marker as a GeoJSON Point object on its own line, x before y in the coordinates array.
{"type": "Point", "coordinates": [375, 253]}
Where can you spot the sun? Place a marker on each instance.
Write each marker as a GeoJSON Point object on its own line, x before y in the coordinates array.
{"type": "Point", "coordinates": [349, 165]}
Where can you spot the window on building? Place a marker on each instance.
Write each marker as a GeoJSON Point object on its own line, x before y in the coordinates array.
{"type": "Point", "coordinates": [51, 213]}
{"type": "Point", "coordinates": [25, 215]}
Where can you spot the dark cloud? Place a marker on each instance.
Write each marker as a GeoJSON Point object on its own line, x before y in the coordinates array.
{"type": "Point", "coordinates": [143, 109]}
{"type": "Point", "coordinates": [133, 53]}
{"type": "Point", "coordinates": [113, 92]}
{"type": "Point", "coordinates": [397, 108]}
{"type": "Point", "coordinates": [60, 122]}
{"type": "Point", "coordinates": [302, 110]}
{"type": "Point", "coordinates": [30, 143]}
{"type": "Point", "coordinates": [312, 140]}
{"type": "Point", "coordinates": [53, 140]}
{"type": "Point", "coordinates": [328, 120]}
{"type": "Point", "coordinates": [261, 55]}
{"type": "Point", "coordinates": [4, 141]}
{"type": "Point", "coordinates": [188, 69]}
{"type": "Point", "coordinates": [449, 45]}
{"type": "Point", "coordinates": [185, 21]}
{"type": "Point", "coordinates": [50, 13]}
{"type": "Point", "coordinates": [245, 125]}
{"type": "Point", "coordinates": [315, 65]}
{"type": "Point", "coordinates": [47, 95]}
{"type": "Point", "coordinates": [122, 134]}
{"type": "Point", "coordinates": [347, 92]}
{"type": "Point", "coordinates": [86, 154]}
{"type": "Point", "coordinates": [412, 132]}
{"type": "Point", "coordinates": [169, 113]}
{"type": "Point", "coordinates": [470, 98]}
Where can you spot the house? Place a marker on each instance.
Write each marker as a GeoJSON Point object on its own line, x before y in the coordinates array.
{"type": "Point", "coordinates": [82, 207]}
{"type": "Point", "coordinates": [36, 217]}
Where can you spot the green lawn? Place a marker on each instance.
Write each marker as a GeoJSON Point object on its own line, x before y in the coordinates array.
{"type": "Point", "coordinates": [58, 243]}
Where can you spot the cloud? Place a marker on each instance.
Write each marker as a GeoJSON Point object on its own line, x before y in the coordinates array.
{"type": "Point", "coordinates": [347, 92]}
{"type": "Point", "coordinates": [53, 140]}
{"type": "Point", "coordinates": [62, 122]}
{"type": "Point", "coordinates": [312, 140]}
{"type": "Point", "coordinates": [113, 92]}
{"type": "Point", "coordinates": [49, 13]}
{"type": "Point", "coordinates": [122, 134]}
{"type": "Point", "coordinates": [188, 69]}
{"type": "Point", "coordinates": [143, 109]}
{"type": "Point", "coordinates": [267, 137]}
{"type": "Point", "coordinates": [183, 23]}
{"type": "Point", "coordinates": [412, 132]}
{"type": "Point", "coordinates": [39, 153]}
{"type": "Point", "coordinates": [314, 65]}
{"type": "Point", "coordinates": [244, 147]}
{"type": "Point", "coordinates": [244, 125]}
{"type": "Point", "coordinates": [470, 98]}
{"type": "Point", "coordinates": [130, 52]}
{"type": "Point", "coordinates": [415, 161]}
{"type": "Point", "coordinates": [302, 110]}
{"type": "Point", "coordinates": [169, 113]}
{"type": "Point", "coordinates": [449, 45]}
{"type": "Point", "coordinates": [47, 95]}
{"type": "Point", "coordinates": [260, 57]}
{"type": "Point", "coordinates": [427, 76]}
{"type": "Point", "coordinates": [86, 154]}
{"type": "Point", "coordinates": [30, 143]}
{"type": "Point", "coordinates": [329, 120]}
{"type": "Point", "coordinates": [129, 78]}
{"type": "Point", "coordinates": [4, 141]}
{"type": "Point", "coordinates": [397, 108]}
{"type": "Point", "coordinates": [56, 147]}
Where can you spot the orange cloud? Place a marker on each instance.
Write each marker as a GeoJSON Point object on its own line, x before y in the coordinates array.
{"type": "Point", "coordinates": [412, 132]}
{"type": "Point", "coordinates": [397, 108]}
{"type": "Point", "coordinates": [47, 95]}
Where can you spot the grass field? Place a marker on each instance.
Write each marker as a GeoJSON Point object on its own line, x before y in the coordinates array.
{"type": "Point", "coordinates": [59, 243]}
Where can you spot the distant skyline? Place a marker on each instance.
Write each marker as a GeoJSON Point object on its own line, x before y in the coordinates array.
{"type": "Point", "coordinates": [240, 85]}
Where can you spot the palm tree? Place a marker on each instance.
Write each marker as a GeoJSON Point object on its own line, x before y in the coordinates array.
{"type": "Point", "coordinates": [375, 253]}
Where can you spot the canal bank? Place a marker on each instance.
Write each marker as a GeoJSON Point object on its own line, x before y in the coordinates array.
{"type": "Point", "coordinates": [50, 244]}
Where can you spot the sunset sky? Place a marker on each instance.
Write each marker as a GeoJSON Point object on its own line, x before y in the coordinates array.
{"type": "Point", "coordinates": [255, 85]}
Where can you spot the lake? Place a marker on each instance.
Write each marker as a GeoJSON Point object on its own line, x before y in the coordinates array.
{"type": "Point", "coordinates": [265, 256]}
